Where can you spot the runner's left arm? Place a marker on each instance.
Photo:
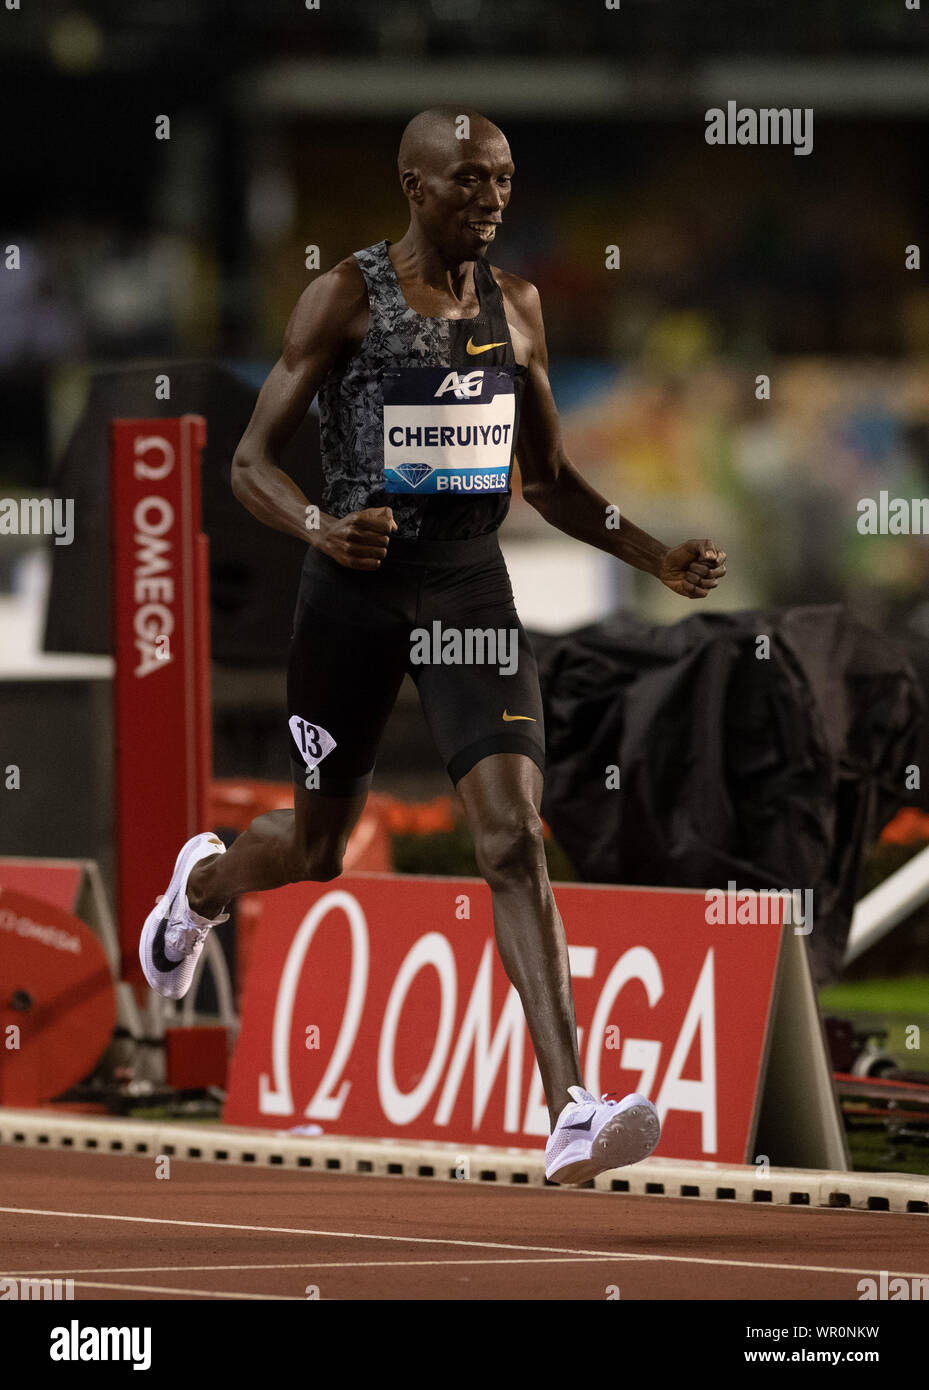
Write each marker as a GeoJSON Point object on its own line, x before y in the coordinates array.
{"type": "Point", "coordinates": [553, 486]}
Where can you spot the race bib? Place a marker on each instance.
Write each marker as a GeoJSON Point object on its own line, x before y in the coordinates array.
{"type": "Point", "coordinates": [314, 742]}
{"type": "Point", "coordinates": [448, 432]}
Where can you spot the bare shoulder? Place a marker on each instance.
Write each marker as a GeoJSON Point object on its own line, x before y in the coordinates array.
{"type": "Point", "coordinates": [519, 294]}
{"type": "Point", "coordinates": [524, 316]}
{"type": "Point", "coordinates": [333, 306]}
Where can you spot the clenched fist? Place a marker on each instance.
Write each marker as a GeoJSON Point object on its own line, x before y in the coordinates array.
{"type": "Point", "coordinates": [359, 541]}
{"type": "Point", "coordinates": [693, 569]}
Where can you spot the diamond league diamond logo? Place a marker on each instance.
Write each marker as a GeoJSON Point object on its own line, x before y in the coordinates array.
{"type": "Point", "coordinates": [414, 473]}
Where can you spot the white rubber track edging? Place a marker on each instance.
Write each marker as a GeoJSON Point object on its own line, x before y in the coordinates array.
{"type": "Point", "coordinates": [660, 1177]}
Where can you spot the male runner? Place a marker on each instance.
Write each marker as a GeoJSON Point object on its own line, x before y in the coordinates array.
{"type": "Point", "coordinates": [429, 365]}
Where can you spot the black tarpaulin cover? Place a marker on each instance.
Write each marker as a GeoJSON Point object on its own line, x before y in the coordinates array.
{"type": "Point", "coordinates": [774, 771]}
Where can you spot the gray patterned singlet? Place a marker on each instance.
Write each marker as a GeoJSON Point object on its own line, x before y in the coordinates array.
{"type": "Point", "coordinates": [351, 402]}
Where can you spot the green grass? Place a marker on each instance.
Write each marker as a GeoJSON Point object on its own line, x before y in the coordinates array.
{"type": "Point", "coordinates": [879, 1152]}
{"type": "Point", "coordinates": [909, 995]}
{"type": "Point", "coordinates": [889, 1007]}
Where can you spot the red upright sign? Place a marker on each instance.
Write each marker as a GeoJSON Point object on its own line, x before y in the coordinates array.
{"type": "Point", "coordinates": [377, 1006]}
{"type": "Point", "coordinates": [162, 690]}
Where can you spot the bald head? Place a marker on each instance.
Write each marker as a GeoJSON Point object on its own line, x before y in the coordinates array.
{"type": "Point", "coordinates": [443, 134]}
{"type": "Point", "coordinates": [456, 173]}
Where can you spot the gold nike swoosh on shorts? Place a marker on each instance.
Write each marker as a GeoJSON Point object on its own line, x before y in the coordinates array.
{"type": "Point", "coordinates": [510, 717]}
{"type": "Point", "coordinates": [484, 347]}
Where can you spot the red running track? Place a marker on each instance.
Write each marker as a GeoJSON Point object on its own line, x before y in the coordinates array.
{"type": "Point", "coordinates": [211, 1232]}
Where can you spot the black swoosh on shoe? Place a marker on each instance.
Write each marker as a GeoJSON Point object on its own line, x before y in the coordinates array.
{"type": "Point", "coordinates": [159, 959]}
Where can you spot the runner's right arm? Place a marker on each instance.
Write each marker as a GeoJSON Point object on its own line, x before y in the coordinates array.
{"type": "Point", "coordinates": [325, 328]}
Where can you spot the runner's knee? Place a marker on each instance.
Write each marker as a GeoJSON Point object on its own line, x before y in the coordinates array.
{"type": "Point", "coordinates": [510, 844]}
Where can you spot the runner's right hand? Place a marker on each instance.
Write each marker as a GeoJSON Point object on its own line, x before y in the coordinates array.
{"type": "Point", "coordinates": [359, 541]}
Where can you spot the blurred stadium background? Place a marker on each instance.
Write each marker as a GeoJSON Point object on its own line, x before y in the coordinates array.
{"type": "Point", "coordinates": [284, 127]}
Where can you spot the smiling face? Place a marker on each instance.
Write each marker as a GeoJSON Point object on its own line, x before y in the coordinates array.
{"type": "Point", "coordinates": [459, 188]}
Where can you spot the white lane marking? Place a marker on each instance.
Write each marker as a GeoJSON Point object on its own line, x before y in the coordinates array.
{"type": "Point", "coordinates": [186, 1293]}
{"type": "Point", "coordinates": [302, 1231]}
{"type": "Point", "coordinates": [304, 1264]}
{"type": "Point", "coordinates": [471, 1244]}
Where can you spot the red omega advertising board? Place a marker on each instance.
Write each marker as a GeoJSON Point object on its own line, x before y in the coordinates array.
{"type": "Point", "coordinates": [161, 698]}
{"type": "Point", "coordinates": [376, 1006]}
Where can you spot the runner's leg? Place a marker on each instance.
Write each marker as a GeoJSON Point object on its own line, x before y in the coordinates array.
{"type": "Point", "coordinates": [502, 795]}
{"type": "Point", "coordinates": [277, 848]}
{"type": "Point", "coordinates": [487, 720]}
{"type": "Point", "coordinates": [347, 659]}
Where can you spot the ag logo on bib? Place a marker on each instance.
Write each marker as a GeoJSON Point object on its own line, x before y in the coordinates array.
{"type": "Point", "coordinates": [446, 431]}
{"type": "Point", "coordinates": [464, 387]}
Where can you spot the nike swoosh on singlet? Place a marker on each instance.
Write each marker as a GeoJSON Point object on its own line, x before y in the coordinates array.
{"type": "Point", "coordinates": [484, 347]}
{"type": "Point", "coordinates": [510, 717]}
